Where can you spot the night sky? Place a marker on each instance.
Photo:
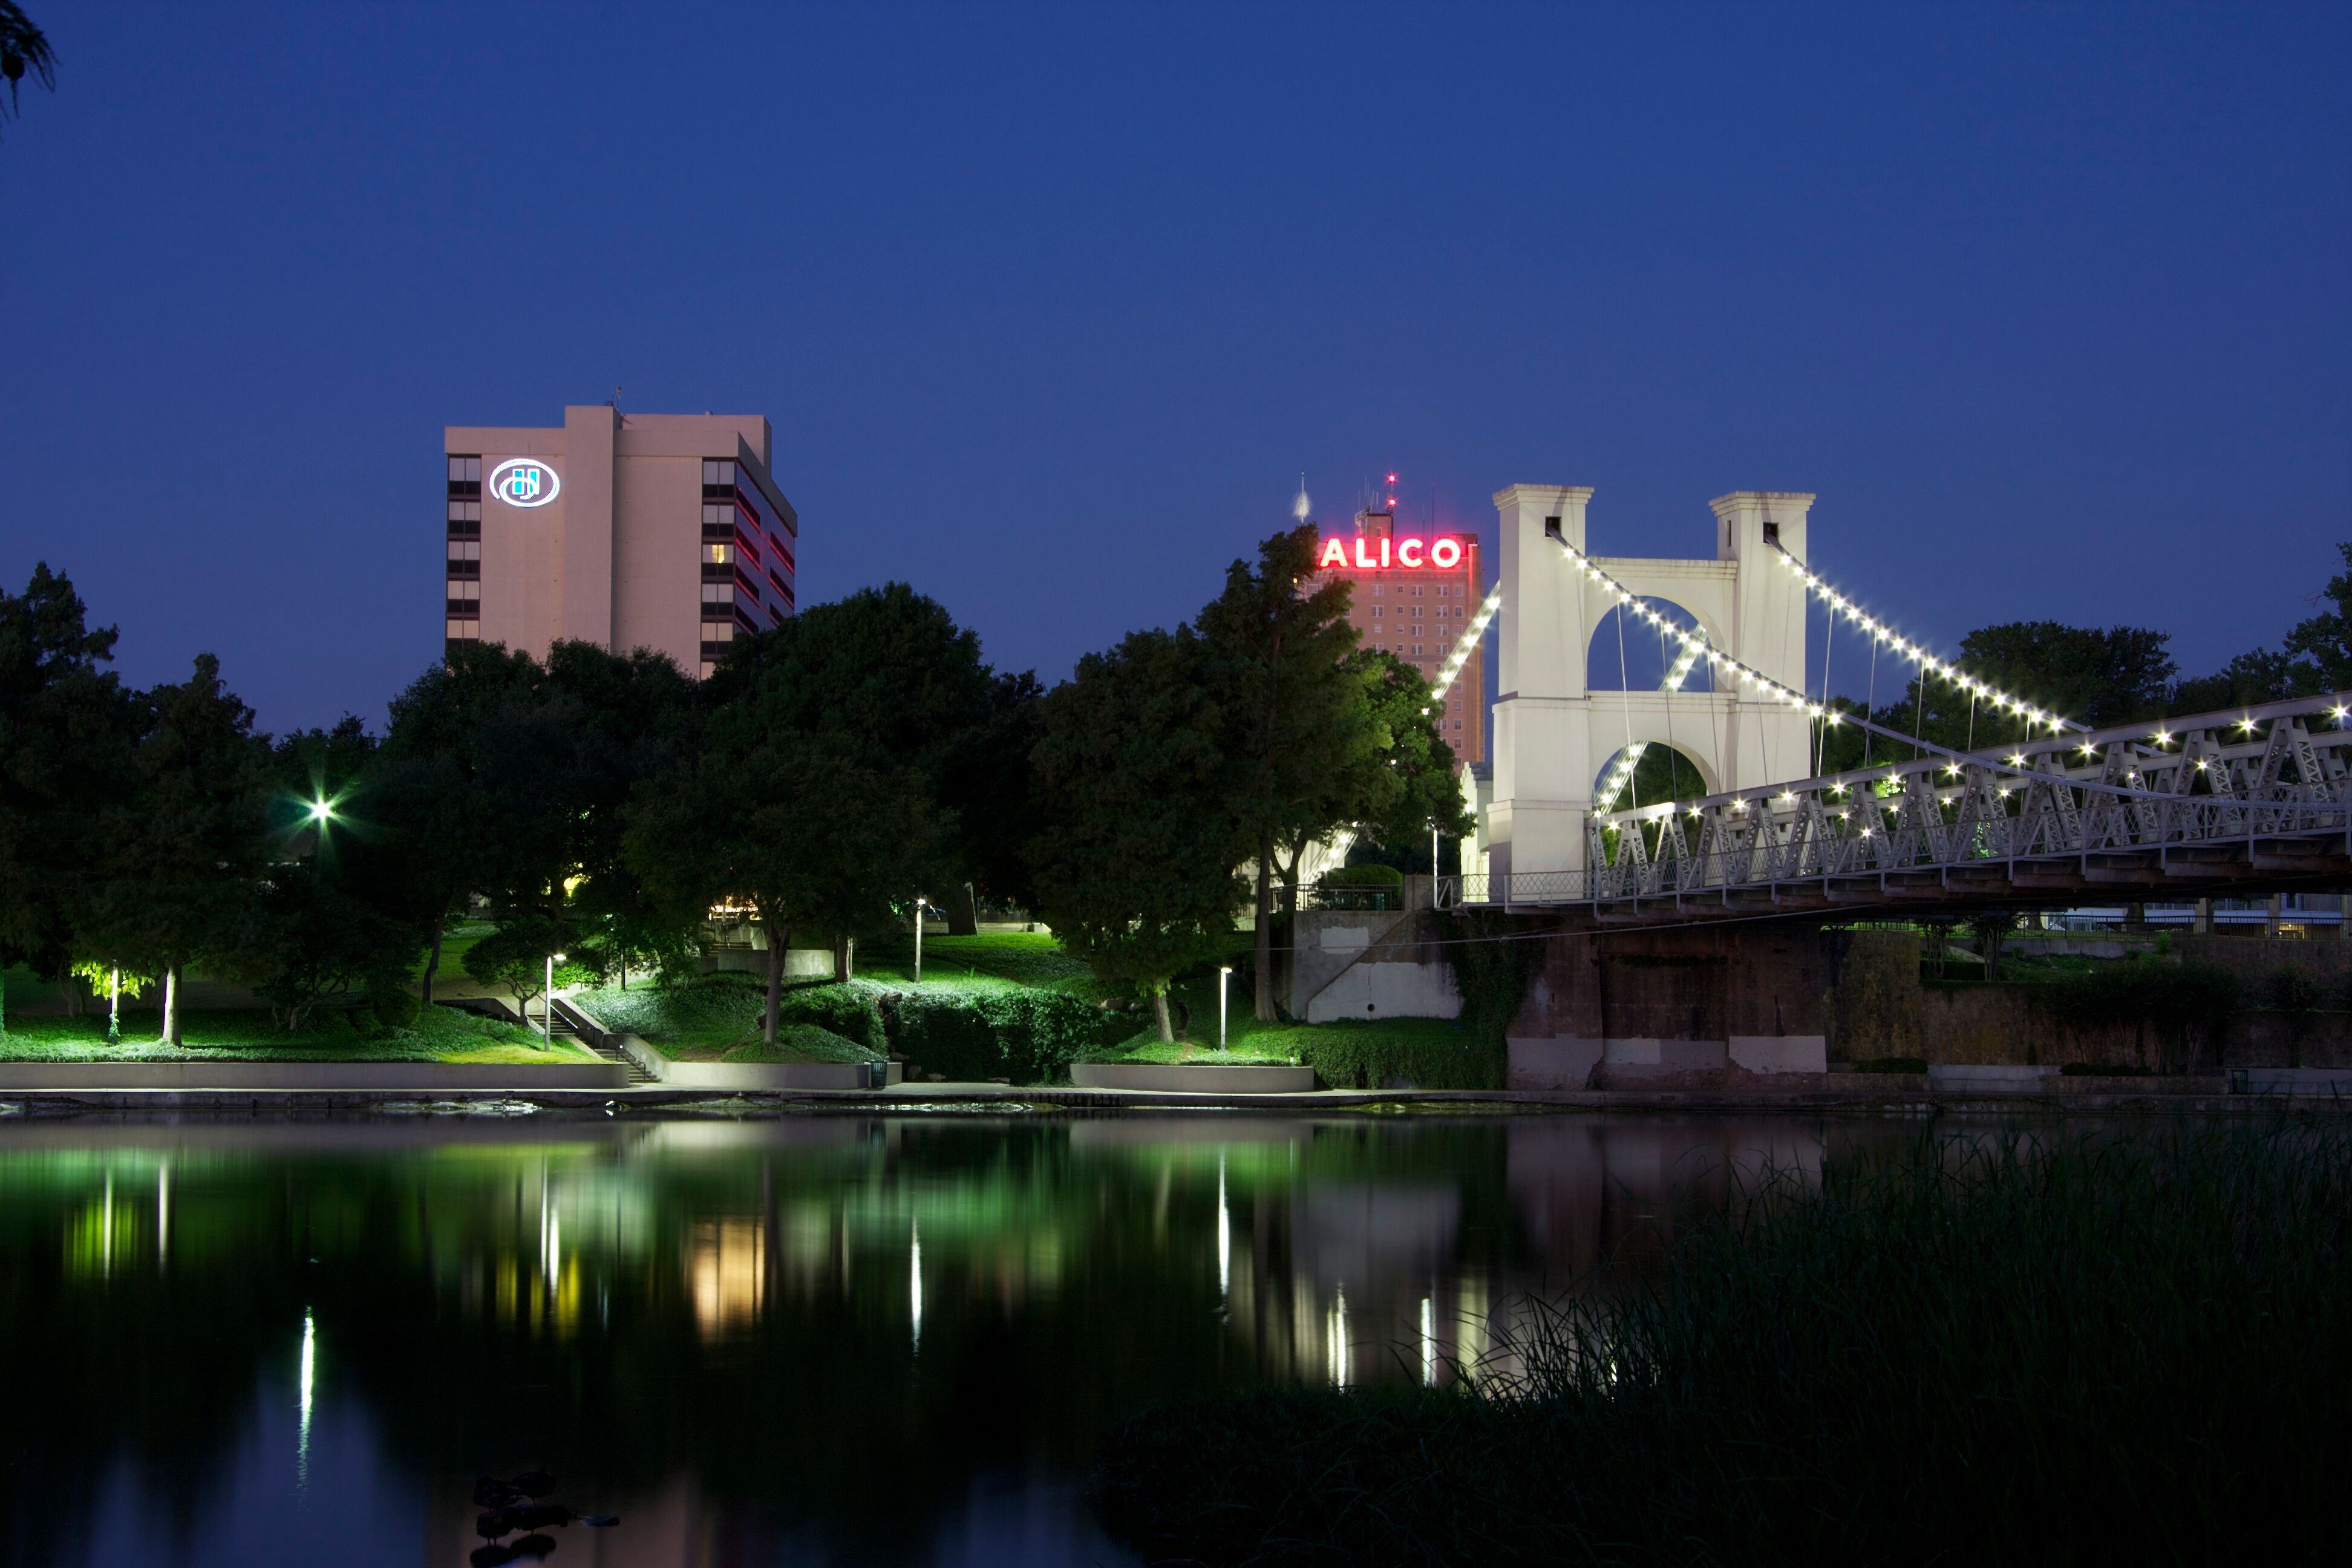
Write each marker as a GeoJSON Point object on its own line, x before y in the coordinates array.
{"type": "Point", "coordinates": [1051, 308]}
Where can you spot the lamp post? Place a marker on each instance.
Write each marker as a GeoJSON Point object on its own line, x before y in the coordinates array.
{"type": "Point", "coordinates": [547, 1003]}
{"type": "Point", "coordinates": [919, 939]}
{"type": "Point", "coordinates": [1222, 971]}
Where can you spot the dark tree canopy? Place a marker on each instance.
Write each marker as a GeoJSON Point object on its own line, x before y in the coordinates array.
{"type": "Point", "coordinates": [65, 726]}
{"type": "Point", "coordinates": [1135, 869]}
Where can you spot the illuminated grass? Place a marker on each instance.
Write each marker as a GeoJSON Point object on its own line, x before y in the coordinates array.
{"type": "Point", "coordinates": [439, 1034]}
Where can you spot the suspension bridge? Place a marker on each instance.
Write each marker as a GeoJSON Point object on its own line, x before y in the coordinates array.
{"type": "Point", "coordinates": [2235, 804]}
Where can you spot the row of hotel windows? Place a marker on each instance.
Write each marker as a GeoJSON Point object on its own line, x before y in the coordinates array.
{"type": "Point", "coordinates": [465, 623]}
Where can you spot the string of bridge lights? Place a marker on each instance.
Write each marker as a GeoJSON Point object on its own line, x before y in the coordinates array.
{"type": "Point", "coordinates": [1887, 637]}
{"type": "Point", "coordinates": [1695, 646]}
{"type": "Point", "coordinates": [1464, 646]}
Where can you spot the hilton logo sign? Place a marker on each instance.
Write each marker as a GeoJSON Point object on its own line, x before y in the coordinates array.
{"type": "Point", "coordinates": [524, 482]}
{"type": "Point", "coordinates": [1443, 554]}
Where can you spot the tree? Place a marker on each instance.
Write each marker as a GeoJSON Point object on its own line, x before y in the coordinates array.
{"type": "Point", "coordinates": [987, 782]}
{"type": "Point", "coordinates": [1392, 792]}
{"type": "Point", "coordinates": [2316, 656]}
{"type": "Point", "coordinates": [1135, 871]}
{"type": "Point", "coordinates": [332, 915]}
{"type": "Point", "coordinates": [515, 955]}
{"type": "Point", "coordinates": [889, 667]}
{"type": "Point", "coordinates": [1294, 713]}
{"type": "Point", "coordinates": [511, 779]}
{"type": "Point", "coordinates": [183, 853]}
{"type": "Point", "coordinates": [23, 48]}
{"type": "Point", "coordinates": [429, 793]}
{"type": "Point", "coordinates": [810, 829]}
{"type": "Point", "coordinates": [65, 735]}
{"type": "Point", "coordinates": [2094, 676]}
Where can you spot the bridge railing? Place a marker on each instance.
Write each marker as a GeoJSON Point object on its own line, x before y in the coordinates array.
{"type": "Point", "coordinates": [2280, 770]}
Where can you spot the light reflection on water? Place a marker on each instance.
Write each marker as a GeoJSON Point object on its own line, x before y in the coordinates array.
{"type": "Point", "coordinates": [810, 1339]}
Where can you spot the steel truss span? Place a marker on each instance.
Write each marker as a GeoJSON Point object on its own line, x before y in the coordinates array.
{"type": "Point", "coordinates": [2249, 800]}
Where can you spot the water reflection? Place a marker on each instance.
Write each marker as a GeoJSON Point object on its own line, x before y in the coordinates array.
{"type": "Point", "coordinates": [812, 1339]}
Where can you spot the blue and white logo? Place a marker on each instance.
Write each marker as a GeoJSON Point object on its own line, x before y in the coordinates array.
{"type": "Point", "coordinates": [524, 482]}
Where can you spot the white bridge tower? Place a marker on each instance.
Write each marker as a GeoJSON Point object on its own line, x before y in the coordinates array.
{"type": "Point", "coordinates": [1554, 736]}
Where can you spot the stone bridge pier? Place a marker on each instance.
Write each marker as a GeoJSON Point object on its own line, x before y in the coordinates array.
{"type": "Point", "coordinates": [1690, 1005]}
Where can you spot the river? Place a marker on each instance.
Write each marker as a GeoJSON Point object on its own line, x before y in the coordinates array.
{"type": "Point", "coordinates": [812, 1339]}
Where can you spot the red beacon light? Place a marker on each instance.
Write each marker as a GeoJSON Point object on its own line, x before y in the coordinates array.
{"type": "Point", "coordinates": [1443, 553]}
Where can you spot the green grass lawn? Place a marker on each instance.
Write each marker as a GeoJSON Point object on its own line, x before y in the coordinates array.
{"type": "Point", "coordinates": [717, 1018]}
{"type": "Point", "coordinates": [1008, 958]}
{"type": "Point", "coordinates": [456, 942]}
{"type": "Point", "coordinates": [439, 1034]}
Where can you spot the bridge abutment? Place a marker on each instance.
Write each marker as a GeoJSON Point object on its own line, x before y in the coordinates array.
{"type": "Point", "coordinates": [1652, 1008]}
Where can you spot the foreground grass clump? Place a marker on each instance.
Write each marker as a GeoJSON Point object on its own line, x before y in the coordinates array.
{"type": "Point", "coordinates": [2102, 1351]}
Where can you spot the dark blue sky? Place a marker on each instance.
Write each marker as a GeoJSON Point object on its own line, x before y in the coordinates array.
{"type": "Point", "coordinates": [1051, 307]}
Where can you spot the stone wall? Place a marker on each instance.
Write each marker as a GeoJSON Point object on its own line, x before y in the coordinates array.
{"type": "Point", "coordinates": [1871, 1012]}
{"type": "Point", "coordinates": [1652, 1006]}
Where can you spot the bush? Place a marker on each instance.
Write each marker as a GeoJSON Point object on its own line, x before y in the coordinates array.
{"type": "Point", "coordinates": [1384, 1056]}
{"type": "Point", "coordinates": [1364, 876]}
{"type": "Point", "coordinates": [1028, 1036]}
{"type": "Point", "coordinates": [2290, 990]}
{"type": "Point", "coordinates": [393, 1006]}
{"type": "Point", "coordinates": [2184, 1004]}
{"type": "Point", "coordinates": [2066, 1350]}
{"type": "Point", "coordinates": [850, 1008]}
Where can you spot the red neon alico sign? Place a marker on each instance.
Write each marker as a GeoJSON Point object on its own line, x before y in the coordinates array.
{"type": "Point", "coordinates": [1444, 553]}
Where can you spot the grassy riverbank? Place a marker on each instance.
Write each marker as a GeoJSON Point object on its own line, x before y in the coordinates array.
{"type": "Point", "coordinates": [230, 1034]}
{"type": "Point", "coordinates": [2109, 1349]}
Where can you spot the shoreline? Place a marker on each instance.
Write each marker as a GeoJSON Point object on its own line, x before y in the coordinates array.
{"type": "Point", "coordinates": [520, 1098]}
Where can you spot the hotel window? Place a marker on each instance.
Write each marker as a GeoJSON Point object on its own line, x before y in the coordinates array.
{"type": "Point", "coordinates": [464, 630]}
{"type": "Point", "coordinates": [1376, 590]}
{"type": "Point", "coordinates": [466, 475]}
{"type": "Point", "coordinates": [718, 479]}
{"type": "Point", "coordinates": [719, 554]}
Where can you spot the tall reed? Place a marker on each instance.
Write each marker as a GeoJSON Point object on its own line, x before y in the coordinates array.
{"type": "Point", "coordinates": [2080, 1351]}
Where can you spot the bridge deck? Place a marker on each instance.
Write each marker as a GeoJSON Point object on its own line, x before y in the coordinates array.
{"type": "Point", "coordinates": [2230, 805]}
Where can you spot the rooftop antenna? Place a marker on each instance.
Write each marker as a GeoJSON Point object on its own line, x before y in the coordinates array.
{"type": "Point", "coordinates": [1302, 509]}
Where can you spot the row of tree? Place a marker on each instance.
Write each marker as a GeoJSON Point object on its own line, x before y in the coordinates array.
{"type": "Point", "coordinates": [601, 805]}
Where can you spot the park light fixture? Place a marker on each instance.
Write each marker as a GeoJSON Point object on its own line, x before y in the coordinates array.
{"type": "Point", "coordinates": [547, 1002]}
{"type": "Point", "coordinates": [1224, 972]}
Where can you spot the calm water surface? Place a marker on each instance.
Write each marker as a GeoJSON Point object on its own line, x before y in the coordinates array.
{"type": "Point", "coordinates": [811, 1341]}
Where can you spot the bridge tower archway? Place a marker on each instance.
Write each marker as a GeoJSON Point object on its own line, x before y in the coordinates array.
{"type": "Point", "coordinates": [1554, 732]}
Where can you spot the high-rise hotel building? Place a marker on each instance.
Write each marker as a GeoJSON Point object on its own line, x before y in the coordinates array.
{"type": "Point", "coordinates": [656, 530]}
{"type": "Point", "coordinates": [1415, 597]}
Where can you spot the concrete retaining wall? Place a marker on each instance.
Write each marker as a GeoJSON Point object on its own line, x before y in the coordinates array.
{"type": "Point", "coordinates": [1195, 1078]}
{"type": "Point", "coordinates": [750, 1077]}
